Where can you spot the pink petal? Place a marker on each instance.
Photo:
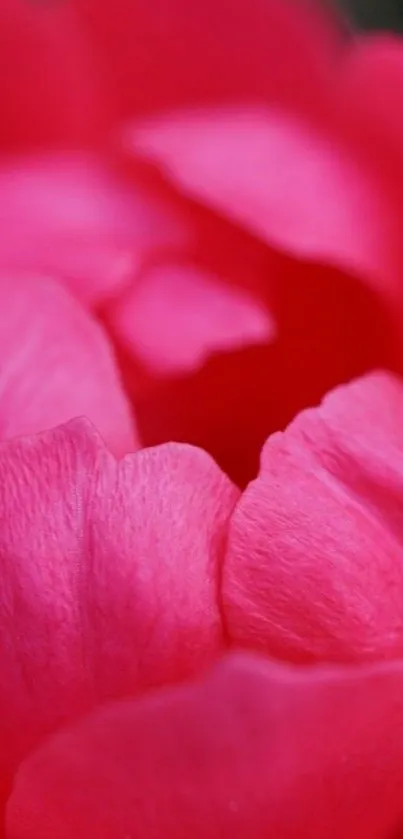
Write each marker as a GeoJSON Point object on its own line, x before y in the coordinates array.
{"type": "Point", "coordinates": [49, 83]}
{"type": "Point", "coordinates": [110, 574]}
{"type": "Point", "coordinates": [177, 315]}
{"type": "Point", "coordinates": [68, 215]}
{"type": "Point", "coordinates": [55, 364]}
{"type": "Point", "coordinates": [285, 180]}
{"type": "Point", "coordinates": [330, 329]}
{"type": "Point", "coordinates": [162, 54]}
{"type": "Point", "coordinates": [314, 564]}
{"type": "Point", "coordinates": [254, 750]}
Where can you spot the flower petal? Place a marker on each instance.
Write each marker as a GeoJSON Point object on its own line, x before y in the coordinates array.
{"type": "Point", "coordinates": [285, 180]}
{"type": "Point", "coordinates": [68, 215]}
{"type": "Point", "coordinates": [314, 564]}
{"type": "Point", "coordinates": [177, 315]}
{"type": "Point", "coordinates": [56, 364]}
{"type": "Point", "coordinates": [110, 575]}
{"type": "Point", "coordinates": [330, 329]}
{"type": "Point", "coordinates": [253, 750]}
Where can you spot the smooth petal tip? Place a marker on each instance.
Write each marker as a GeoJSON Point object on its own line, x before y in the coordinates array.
{"type": "Point", "coordinates": [177, 316]}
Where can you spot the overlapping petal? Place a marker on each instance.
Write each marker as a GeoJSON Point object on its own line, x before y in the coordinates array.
{"type": "Point", "coordinates": [314, 565]}
{"type": "Point", "coordinates": [177, 315]}
{"type": "Point", "coordinates": [285, 180]}
{"type": "Point", "coordinates": [110, 575]}
{"type": "Point", "coordinates": [69, 215]}
{"type": "Point", "coordinates": [56, 363]}
{"type": "Point", "coordinates": [253, 750]}
{"type": "Point", "coordinates": [315, 181]}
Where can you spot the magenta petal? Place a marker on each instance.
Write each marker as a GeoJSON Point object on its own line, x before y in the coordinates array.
{"type": "Point", "coordinates": [109, 575]}
{"type": "Point", "coordinates": [284, 180]}
{"type": "Point", "coordinates": [314, 564]}
{"type": "Point", "coordinates": [68, 215]}
{"type": "Point", "coordinates": [177, 315]}
{"type": "Point", "coordinates": [254, 750]}
{"type": "Point", "coordinates": [56, 364]}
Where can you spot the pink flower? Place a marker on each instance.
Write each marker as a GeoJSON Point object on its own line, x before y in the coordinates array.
{"type": "Point", "coordinates": [200, 248]}
{"type": "Point", "coordinates": [319, 532]}
{"type": "Point", "coordinates": [56, 363]}
{"type": "Point", "coordinates": [110, 573]}
{"type": "Point", "coordinates": [122, 577]}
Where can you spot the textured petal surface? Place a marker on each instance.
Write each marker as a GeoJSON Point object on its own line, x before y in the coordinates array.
{"type": "Point", "coordinates": [110, 575]}
{"type": "Point", "coordinates": [314, 566]}
{"type": "Point", "coordinates": [254, 750]}
{"type": "Point", "coordinates": [177, 315]}
{"type": "Point", "coordinates": [284, 180]}
{"type": "Point", "coordinates": [49, 90]}
{"type": "Point", "coordinates": [56, 364]}
{"type": "Point", "coordinates": [68, 215]}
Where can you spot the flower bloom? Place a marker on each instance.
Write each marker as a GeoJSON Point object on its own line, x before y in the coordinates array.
{"type": "Point", "coordinates": [199, 255]}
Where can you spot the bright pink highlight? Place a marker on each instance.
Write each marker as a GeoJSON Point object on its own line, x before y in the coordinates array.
{"type": "Point", "coordinates": [71, 215]}
{"type": "Point", "coordinates": [176, 316]}
{"type": "Point", "coordinates": [110, 575]}
{"type": "Point", "coordinates": [201, 573]}
{"type": "Point", "coordinates": [56, 364]}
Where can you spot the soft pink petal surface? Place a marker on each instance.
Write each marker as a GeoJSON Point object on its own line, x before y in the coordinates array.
{"type": "Point", "coordinates": [254, 750]}
{"type": "Point", "coordinates": [329, 330]}
{"type": "Point", "coordinates": [110, 575]}
{"type": "Point", "coordinates": [69, 215]}
{"type": "Point", "coordinates": [285, 180]}
{"type": "Point", "coordinates": [314, 567]}
{"type": "Point", "coordinates": [177, 315]}
{"type": "Point", "coordinates": [56, 363]}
